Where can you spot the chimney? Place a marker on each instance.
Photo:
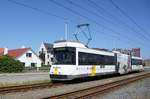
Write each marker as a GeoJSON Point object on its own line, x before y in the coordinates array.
{"type": "Point", "coordinates": [5, 51]}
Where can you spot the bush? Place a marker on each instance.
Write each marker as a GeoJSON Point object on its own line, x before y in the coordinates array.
{"type": "Point", "coordinates": [46, 65]}
{"type": "Point", "coordinates": [41, 69]}
{"type": "Point", "coordinates": [10, 65]}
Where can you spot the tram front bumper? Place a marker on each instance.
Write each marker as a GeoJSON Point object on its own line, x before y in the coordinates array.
{"type": "Point", "coordinates": [61, 77]}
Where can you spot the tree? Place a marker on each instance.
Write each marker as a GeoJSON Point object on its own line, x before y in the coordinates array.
{"type": "Point", "coordinates": [9, 65]}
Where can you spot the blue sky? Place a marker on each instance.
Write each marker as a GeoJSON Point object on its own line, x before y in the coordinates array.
{"type": "Point", "coordinates": [20, 25]}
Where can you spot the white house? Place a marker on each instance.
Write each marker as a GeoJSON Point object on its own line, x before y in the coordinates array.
{"type": "Point", "coordinates": [27, 56]}
{"type": "Point", "coordinates": [46, 53]}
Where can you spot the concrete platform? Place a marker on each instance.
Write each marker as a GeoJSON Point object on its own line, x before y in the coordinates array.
{"type": "Point", "coordinates": [12, 79]}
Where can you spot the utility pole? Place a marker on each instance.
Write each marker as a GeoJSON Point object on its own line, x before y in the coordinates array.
{"type": "Point", "coordinates": [114, 42]}
{"type": "Point", "coordinates": [66, 30]}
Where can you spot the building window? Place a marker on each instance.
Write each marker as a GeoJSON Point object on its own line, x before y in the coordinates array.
{"type": "Point", "coordinates": [23, 63]}
{"type": "Point", "coordinates": [47, 56]}
{"type": "Point", "coordinates": [28, 54]}
{"type": "Point", "coordinates": [33, 65]}
{"type": "Point", "coordinates": [42, 50]}
{"type": "Point", "coordinates": [42, 56]}
{"type": "Point", "coordinates": [52, 59]}
{"type": "Point", "coordinates": [47, 63]}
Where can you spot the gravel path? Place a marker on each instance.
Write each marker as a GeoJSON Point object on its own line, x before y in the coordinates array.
{"type": "Point", "coordinates": [136, 90]}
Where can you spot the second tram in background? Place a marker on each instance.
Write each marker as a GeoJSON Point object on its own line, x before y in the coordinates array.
{"type": "Point", "coordinates": [74, 60]}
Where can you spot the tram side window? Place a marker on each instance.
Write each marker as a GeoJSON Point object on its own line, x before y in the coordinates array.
{"type": "Point", "coordinates": [109, 60]}
{"type": "Point", "coordinates": [95, 59]}
{"type": "Point", "coordinates": [136, 62]}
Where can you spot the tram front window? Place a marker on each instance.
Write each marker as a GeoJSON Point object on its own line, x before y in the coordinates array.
{"type": "Point", "coordinates": [65, 55]}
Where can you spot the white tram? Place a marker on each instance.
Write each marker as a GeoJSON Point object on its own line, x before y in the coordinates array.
{"type": "Point", "coordinates": [74, 60]}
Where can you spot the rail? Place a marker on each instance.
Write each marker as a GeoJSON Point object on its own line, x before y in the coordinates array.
{"type": "Point", "coordinates": [92, 91]}
{"type": "Point", "coordinates": [12, 89]}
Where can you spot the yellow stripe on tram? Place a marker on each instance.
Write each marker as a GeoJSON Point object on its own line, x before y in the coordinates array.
{"type": "Point", "coordinates": [56, 71]}
{"type": "Point", "coordinates": [93, 70]}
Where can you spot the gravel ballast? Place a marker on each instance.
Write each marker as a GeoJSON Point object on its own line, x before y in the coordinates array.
{"type": "Point", "coordinates": [136, 90]}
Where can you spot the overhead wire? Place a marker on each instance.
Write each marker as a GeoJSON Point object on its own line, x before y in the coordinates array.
{"type": "Point", "coordinates": [81, 15]}
{"type": "Point", "coordinates": [54, 15]}
{"type": "Point", "coordinates": [75, 4]}
{"type": "Point", "coordinates": [89, 11]}
{"type": "Point", "coordinates": [130, 18]}
{"type": "Point", "coordinates": [38, 9]}
{"type": "Point", "coordinates": [116, 18]}
{"type": "Point", "coordinates": [77, 13]}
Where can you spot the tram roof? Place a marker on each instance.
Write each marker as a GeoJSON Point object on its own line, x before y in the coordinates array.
{"type": "Point", "coordinates": [66, 43]}
{"type": "Point", "coordinates": [77, 44]}
{"type": "Point", "coordinates": [134, 57]}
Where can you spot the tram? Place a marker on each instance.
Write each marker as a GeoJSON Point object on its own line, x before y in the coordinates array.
{"type": "Point", "coordinates": [73, 59]}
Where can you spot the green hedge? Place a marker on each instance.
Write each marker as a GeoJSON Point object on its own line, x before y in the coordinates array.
{"type": "Point", "coordinates": [45, 65]}
{"type": "Point", "coordinates": [41, 69]}
{"type": "Point", "coordinates": [10, 65]}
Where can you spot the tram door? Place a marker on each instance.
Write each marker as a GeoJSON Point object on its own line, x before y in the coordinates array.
{"type": "Point", "coordinates": [122, 63]}
{"type": "Point", "coordinates": [117, 63]}
{"type": "Point", "coordinates": [129, 64]}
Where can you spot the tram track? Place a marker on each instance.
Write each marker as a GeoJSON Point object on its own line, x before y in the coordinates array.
{"type": "Point", "coordinates": [96, 90]}
{"type": "Point", "coordinates": [23, 88]}
{"type": "Point", "coordinates": [78, 92]}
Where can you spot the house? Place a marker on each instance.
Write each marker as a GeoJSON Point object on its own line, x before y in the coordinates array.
{"type": "Point", "coordinates": [46, 53]}
{"type": "Point", "coordinates": [27, 56]}
{"type": "Point", "coordinates": [3, 51]}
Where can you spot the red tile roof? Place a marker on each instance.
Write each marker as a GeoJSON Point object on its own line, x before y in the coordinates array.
{"type": "Point", "coordinates": [17, 52]}
{"type": "Point", "coordinates": [1, 51]}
